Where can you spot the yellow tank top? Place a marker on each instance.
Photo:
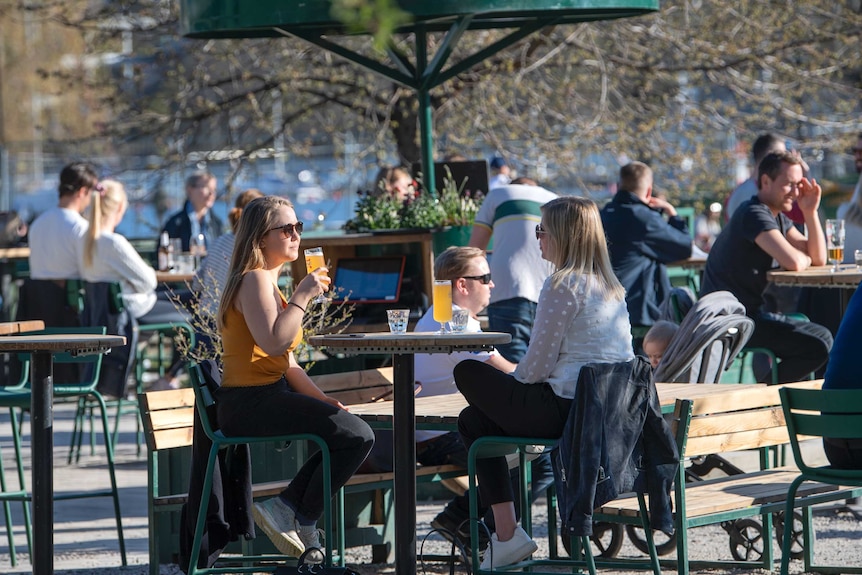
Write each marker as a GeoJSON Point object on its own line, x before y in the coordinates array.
{"type": "Point", "coordinates": [246, 364]}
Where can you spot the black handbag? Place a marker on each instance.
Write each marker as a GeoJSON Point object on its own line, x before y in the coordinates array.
{"type": "Point", "coordinates": [313, 562]}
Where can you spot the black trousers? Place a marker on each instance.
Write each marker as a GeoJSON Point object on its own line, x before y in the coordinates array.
{"type": "Point", "coordinates": [502, 405]}
{"type": "Point", "coordinates": [802, 347]}
{"type": "Point", "coordinates": [275, 409]}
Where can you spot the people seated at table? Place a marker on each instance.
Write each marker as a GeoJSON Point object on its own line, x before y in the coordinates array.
{"type": "Point", "coordinates": [581, 318]}
{"type": "Point", "coordinates": [842, 372]}
{"type": "Point", "coordinates": [264, 391]}
{"type": "Point", "coordinates": [55, 241]}
{"type": "Point", "coordinates": [641, 242]}
{"type": "Point", "coordinates": [196, 216]}
{"type": "Point", "coordinates": [657, 339]}
{"type": "Point", "coordinates": [759, 234]}
{"type": "Point", "coordinates": [467, 269]}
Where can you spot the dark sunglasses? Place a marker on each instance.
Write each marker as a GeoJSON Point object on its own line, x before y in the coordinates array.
{"type": "Point", "coordinates": [540, 231]}
{"type": "Point", "coordinates": [288, 229]}
{"type": "Point", "coordinates": [484, 278]}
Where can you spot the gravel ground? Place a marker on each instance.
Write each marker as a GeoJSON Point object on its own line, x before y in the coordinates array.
{"type": "Point", "coordinates": [85, 537]}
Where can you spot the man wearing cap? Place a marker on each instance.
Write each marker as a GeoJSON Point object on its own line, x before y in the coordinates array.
{"type": "Point", "coordinates": [499, 173]}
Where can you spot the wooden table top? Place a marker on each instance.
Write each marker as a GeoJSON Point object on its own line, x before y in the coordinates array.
{"type": "Point", "coordinates": [410, 342]}
{"type": "Point", "coordinates": [692, 263]}
{"type": "Point", "coordinates": [442, 410]}
{"type": "Point", "coordinates": [847, 277]}
{"type": "Point", "coordinates": [20, 253]}
{"type": "Point", "coordinates": [13, 327]}
{"type": "Point", "coordinates": [65, 342]}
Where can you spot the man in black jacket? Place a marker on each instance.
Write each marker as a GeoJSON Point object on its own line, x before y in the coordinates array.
{"type": "Point", "coordinates": [641, 242]}
{"type": "Point", "coordinates": [196, 216]}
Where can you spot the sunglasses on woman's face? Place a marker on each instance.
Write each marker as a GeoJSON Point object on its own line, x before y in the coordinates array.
{"type": "Point", "coordinates": [540, 231]}
{"type": "Point", "coordinates": [288, 229]}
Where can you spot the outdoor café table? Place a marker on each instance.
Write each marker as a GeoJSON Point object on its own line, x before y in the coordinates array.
{"type": "Point", "coordinates": [847, 279]}
{"type": "Point", "coordinates": [441, 411]}
{"type": "Point", "coordinates": [15, 327]}
{"type": "Point", "coordinates": [41, 348]}
{"type": "Point", "coordinates": [402, 347]}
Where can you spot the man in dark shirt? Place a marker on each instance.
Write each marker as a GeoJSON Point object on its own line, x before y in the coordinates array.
{"type": "Point", "coordinates": [196, 216]}
{"type": "Point", "coordinates": [641, 242]}
{"type": "Point", "coordinates": [758, 235]}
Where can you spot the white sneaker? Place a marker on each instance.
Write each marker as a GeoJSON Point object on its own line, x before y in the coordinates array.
{"type": "Point", "coordinates": [503, 553]}
{"type": "Point", "coordinates": [278, 521]}
{"type": "Point", "coordinates": [309, 535]}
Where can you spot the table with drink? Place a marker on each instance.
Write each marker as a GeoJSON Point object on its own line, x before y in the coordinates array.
{"type": "Point", "coordinates": [402, 344]}
{"type": "Point", "coordinates": [176, 266]}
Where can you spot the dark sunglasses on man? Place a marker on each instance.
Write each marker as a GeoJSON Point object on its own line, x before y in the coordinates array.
{"type": "Point", "coordinates": [484, 278]}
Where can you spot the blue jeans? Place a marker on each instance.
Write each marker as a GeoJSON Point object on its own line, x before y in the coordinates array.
{"type": "Point", "coordinates": [513, 316]}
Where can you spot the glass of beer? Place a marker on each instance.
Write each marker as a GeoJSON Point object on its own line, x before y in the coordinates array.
{"type": "Point", "coordinates": [835, 242]}
{"type": "Point", "coordinates": [314, 259]}
{"type": "Point", "coordinates": [442, 301]}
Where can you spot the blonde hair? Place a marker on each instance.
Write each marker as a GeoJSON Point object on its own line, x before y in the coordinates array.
{"type": "Point", "coordinates": [575, 230]}
{"type": "Point", "coordinates": [454, 262]}
{"type": "Point", "coordinates": [105, 203]}
{"type": "Point", "coordinates": [258, 217]}
{"type": "Point", "coordinates": [241, 201]}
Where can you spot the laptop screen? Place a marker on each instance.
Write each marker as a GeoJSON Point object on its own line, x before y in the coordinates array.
{"type": "Point", "coordinates": [369, 280]}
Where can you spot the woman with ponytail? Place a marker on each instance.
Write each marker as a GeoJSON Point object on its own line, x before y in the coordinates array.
{"type": "Point", "coordinates": [109, 257]}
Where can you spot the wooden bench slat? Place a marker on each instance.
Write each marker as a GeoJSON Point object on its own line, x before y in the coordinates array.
{"type": "Point", "coordinates": [704, 426]}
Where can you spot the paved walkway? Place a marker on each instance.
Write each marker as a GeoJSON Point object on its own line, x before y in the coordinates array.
{"type": "Point", "coordinates": [85, 539]}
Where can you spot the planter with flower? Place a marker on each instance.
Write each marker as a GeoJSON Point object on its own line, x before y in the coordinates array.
{"type": "Point", "coordinates": [449, 214]}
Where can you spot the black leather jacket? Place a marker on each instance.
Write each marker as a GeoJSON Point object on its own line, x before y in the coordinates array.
{"type": "Point", "coordinates": [615, 441]}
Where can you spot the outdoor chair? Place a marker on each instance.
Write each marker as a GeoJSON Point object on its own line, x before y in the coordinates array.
{"type": "Point", "coordinates": [819, 413]}
{"type": "Point", "coordinates": [205, 379]}
{"type": "Point", "coordinates": [19, 399]}
{"type": "Point", "coordinates": [103, 305]}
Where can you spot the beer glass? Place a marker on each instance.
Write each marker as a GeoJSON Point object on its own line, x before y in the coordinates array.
{"type": "Point", "coordinates": [442, 299]}
{"type": "Point", "coordinates": [835, 242]}
{"type": "Point", "coordinates": [314, 259]}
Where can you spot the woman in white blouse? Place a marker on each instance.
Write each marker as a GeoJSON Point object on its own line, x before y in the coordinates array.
{"type": "Point", "coordinates": [581, 318]}
{"type": "Point", "coordinates": [109, 257]}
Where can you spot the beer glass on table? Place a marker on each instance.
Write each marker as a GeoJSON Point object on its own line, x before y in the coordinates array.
{"type": "Point", "coordinates": [314, 259]}
{"type": "Point", "coordinates": [442, 299]}
{"type": "Point", "coordinates": [835, 242]}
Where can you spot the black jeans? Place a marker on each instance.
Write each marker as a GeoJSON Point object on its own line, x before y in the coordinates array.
{"type": "Point", "coordinates": [501, 405]}
{"type": "Point", "coordinates": [802, 347]}
{"type": "Point", "coordinates": [271, 410]}
{"type": "Point", "coordinates": [843, 453]}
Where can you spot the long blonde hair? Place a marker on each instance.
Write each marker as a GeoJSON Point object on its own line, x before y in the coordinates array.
{"type": "Point", "coordinates": [575, 229]}
{"type": "Point", "coordinates": [258, 217]}
{"type": "Point", "coordinates": [106, 202]}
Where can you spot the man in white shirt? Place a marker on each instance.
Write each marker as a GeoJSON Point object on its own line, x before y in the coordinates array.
{"type": "Point", "coordinates": [55, 237]}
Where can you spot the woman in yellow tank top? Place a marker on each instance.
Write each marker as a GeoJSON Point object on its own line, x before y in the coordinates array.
{"type": "Point", "coordinates": [264, 390]}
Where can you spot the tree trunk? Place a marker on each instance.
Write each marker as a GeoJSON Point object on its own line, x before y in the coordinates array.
{"type": "Point", "coordinates": [404, 124]}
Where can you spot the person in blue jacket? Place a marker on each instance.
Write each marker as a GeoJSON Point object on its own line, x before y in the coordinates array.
{"type": "Point", "coordinates": [842, 372]}
{"type": "Point", "coordinates": [641, 242]}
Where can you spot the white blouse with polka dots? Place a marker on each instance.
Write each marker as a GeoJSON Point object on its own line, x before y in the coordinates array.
{"type": "Point", "coordinates": [574, 325]}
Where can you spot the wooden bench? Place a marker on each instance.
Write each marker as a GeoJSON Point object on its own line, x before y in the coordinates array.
{"type": "Point", "coordinates": [168, 420]}
{"type": "Point", "coordinates": [731, 422]}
